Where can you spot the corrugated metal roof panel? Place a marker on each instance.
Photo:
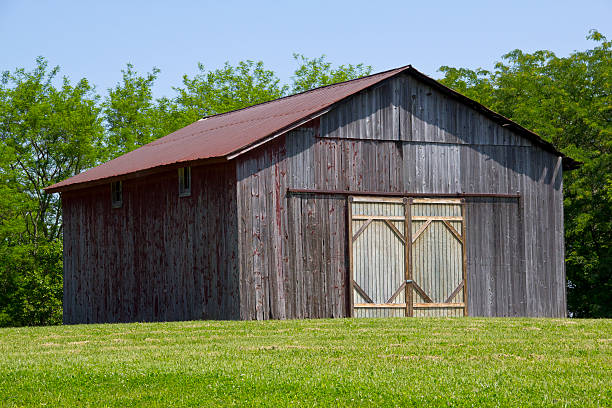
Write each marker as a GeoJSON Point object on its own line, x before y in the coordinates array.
{"type": "Point", "coordinates": [221, 135]}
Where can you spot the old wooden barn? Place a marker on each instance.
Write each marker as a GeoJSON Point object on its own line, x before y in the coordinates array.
{"type": "Point", "coordinates": [389, 195]}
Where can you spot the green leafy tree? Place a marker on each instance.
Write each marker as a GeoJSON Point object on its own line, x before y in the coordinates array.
{"type": "Point", "coordinates": [211, 92]}
{"type": "Point", "coordinates": [47, 134]}
{"type": "Point", "coordinates": [133, 117]}
{"type": "Point", "coordinates": [568, 101]}
{"type": "Point", "coordinates": [315, 72]}
{"type": "Point", "coordinates": [227, 89]}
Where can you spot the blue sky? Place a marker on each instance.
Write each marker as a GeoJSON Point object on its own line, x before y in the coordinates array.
{"type": "Point", "coordinates": [95, 39]}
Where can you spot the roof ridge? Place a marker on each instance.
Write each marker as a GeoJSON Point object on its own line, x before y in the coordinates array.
{"type": "Point", "coordinates": [235, 132]}
{"type": "Point", "coordinates": [308, 91]}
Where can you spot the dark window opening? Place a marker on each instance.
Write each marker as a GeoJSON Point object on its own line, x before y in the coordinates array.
{"type": "Point", "coordinates": [116, 194]}
{"type": "Point", "coordinates": [184, 175]}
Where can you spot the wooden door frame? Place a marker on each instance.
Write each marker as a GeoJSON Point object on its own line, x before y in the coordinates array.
{"type": "Point", "coordinates": [351, 287]}
{"type": "Point", "coordinates": [352, 236]}
{"type": "Point", "coordinates": [409, 284]}
{"type": "Point", "coordinates": [408, 258]}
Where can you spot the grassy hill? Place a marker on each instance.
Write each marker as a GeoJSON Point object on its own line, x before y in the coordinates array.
{"type": "Point", "coordinates": [361, 362]}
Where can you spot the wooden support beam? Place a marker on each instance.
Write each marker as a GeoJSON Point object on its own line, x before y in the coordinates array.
{"type": "Point", "coordinates": [396, 293]}
{"type": "Point", "coordinates": [408, 295]}
{"type": "Point", "coordinates": [421, 292]}
{"type": "Point", "coordinates": [436, 201]}
{"type": "Point", "coordinates": [351, 295]}
{"type": "Point", "coordinates": [377, 199]}
{"type": "Point", "coordinates": [436, 218]}
{"type": "Point", "coordinates": [416, 305]}
{"type": "Point", "coordinates": [454, 231]}
{"type": "Point", "coordinates": [378, 217]}
{"type": "Point", "coordinates": [439, 305]}
{"type": "Point", "coordinates": [420, 231]}
{"type": "Point", "coordinates": [396, 231]}
{"type": "Point", "coordinates": [455, 292]}
{"type": "Point", "coordinates": [464, 249]}
{"type": "Point", "coordinates": [362, 292]}
{"type": "Point", "coordinates": [399, 194]}
{"type": "Point", "coordinates": [361, 229]}
{"type": "Point", "coordinates": [379, 305]}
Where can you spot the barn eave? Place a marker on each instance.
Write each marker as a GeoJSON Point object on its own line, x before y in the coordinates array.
{"type": "Point", "coordinates": [567, 162]}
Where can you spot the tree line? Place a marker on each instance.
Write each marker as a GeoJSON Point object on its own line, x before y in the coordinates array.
{"type": "Point", "coordinates": [49, 132]}
{"type": "Point", "coordinates": [52, 128]}
{"type": "Point", "coordinates": [568, 102]}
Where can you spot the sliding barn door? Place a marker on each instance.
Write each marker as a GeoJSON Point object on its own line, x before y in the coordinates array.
{"type": "Point", "coordinates": [407, 257]}
{"type": "Point", "coordinates": [378, 256]}
{"type": "Point", "coordinates": [438, 261]}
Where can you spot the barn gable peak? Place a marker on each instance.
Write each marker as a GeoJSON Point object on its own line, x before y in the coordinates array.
{"type": "Point", "coordinates": [225, 136]}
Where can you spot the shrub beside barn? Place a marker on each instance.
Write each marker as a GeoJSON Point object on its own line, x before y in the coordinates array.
{"type": "Point", "coordinates": [389, 195]}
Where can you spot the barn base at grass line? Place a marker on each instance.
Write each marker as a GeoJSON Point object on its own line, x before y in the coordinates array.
{"type": "Point", "coordinates": [338, 362]}
{"type": "Point", "coordinates": [263, 231]}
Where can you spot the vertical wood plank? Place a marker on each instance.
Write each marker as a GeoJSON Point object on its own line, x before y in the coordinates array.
{"type": "Point", "coordinates": [408, 257]}
{"type": "Point", "coordinates": [350, 255]}
{"type": "Point", "coordinates": [464, 256]}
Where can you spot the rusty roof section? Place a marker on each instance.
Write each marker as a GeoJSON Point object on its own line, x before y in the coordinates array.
{"type": "Point", "coordinates": [224, 136]}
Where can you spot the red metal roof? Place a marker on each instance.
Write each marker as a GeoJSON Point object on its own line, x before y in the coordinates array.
{"type": "Point", "coordinates": [221, 135]}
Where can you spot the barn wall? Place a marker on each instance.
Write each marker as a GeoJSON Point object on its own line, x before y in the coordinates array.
{"type": "Point", "coordinates": [404, 108]}
{"type": "Point", "coordinates": [292, 250]}
{"type": "Point", "coordinates": [160, 257]}
{"type": "Point", "coordinates": [401, 136]}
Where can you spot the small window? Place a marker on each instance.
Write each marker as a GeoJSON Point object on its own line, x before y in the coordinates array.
{"type": "Point", "coordinates": [184, 175]}
{"type": "Point", "coordinates": [116, 194]}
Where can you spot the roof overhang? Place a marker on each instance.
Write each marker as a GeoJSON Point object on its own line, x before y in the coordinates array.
{"type": "Point", "coordinates": [246, 144]}
{"type": "Point", "coordinates": [568, 162]}
{"type": "Point", "coordinates": [134, 175]}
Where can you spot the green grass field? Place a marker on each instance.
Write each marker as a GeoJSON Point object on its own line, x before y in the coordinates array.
{"type": "Point", "coordinates": [369, 362]}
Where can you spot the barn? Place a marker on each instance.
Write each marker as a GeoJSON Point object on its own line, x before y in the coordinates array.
{"type": "Point", "coordinates": [389, 195]}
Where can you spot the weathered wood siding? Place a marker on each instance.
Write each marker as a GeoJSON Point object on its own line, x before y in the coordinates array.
{"type": "Point", "coordinates": [292, 249]}
{"type": "Point", "coordinates": [240, 247]}
{"type": "Point", "coordinates": [159, 257]}
{"type": "Point", "coordinates": [406, 109]}
{"type": "Point", "coordinates": [401, 136]}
